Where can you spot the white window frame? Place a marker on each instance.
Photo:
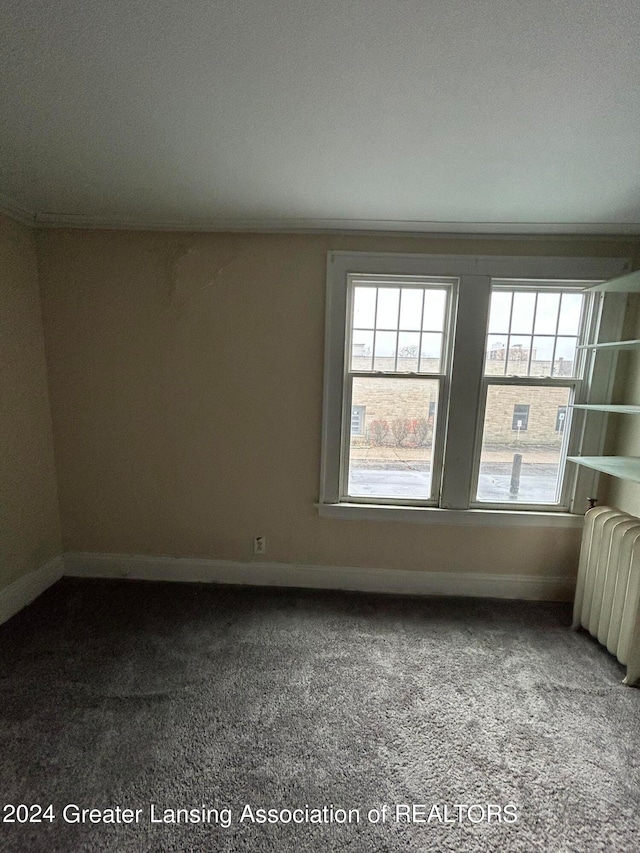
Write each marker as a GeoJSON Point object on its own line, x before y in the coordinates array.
{"type": "Point", "coordinates": [463, 433]}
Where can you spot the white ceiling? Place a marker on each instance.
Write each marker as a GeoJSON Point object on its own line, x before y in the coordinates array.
{"type": "Point", "coordinates": [449, 115]}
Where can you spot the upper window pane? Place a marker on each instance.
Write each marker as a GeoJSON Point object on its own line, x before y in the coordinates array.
{"type": "Point", "coordinates": [364, 308]}
{"type": "Point", "coordinates": [411, 308]}
{"type": "Point", "coordinates": [434, 305]}
{"type": "Point", "coordinates": [524, 309]}
{"type": "Point", "coordinates": [533, 332]}
{"type": "Point", "coordinates": [570, 312]}
{"type": "Point", "coordinates": [397, 329]}
{"type": "Point", "coordinates": [387, 315]}
{"type": "Point", "coordinates": [500, 312]}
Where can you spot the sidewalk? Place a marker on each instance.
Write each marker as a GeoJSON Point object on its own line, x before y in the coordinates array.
{"type": "Point", "coordinates": [404, 455]}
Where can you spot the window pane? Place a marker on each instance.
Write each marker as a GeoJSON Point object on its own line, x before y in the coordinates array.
{"type": "Point", "coordinates": [500, 312]}
{"type": "Point", "coordinates": [361, 350]}
{"type": "Point", "coordinates": [392, 459]}
{"type": "Point", "coordinates": [570, 310]}
{"type": "Point", "coordinates": [411, 308]}
{"type": "Point", "coordinates": [521, 458]}
{"type": "Point", "coordinates": [388, 305]}
{"type": "Point", "coordinates": [433, 314]}
{"type": "Point", "coordinates": [364, 307]}
{"type": "Point", "coordinates": [565, 358]}
{"type": "Point", "coordinates": [430, 353]}
{"type": "Point", "coordinates": [523, 310]}
{"type": "Point", "coordinates": [519, 351]}
{"type": "Point", "coordinates": [496, 355]}
{"type": "Point", "coordinates": [385, 351]}
{"type": "Point", "coordinates": [547, 313]}
{"type": "Point", "coordinates": [542, 355]}
{"type": "Point", "coordinates": [408, 350]}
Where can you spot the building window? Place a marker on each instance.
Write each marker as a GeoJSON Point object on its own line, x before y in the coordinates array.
{"type": "Point", "coordinates": [467, 369]}
{"type": "Point", "coordinates": [520, 417]}
{"type": "Point", "coordinates": [357, 420]}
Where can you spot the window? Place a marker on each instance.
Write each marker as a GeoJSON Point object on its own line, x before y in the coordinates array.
{"type": "Point", "coordinates": [357, 420]}
{"type": "Point", "coordinates": [520, 417]}
{"type": "Point", "coordinates": [397, 357]}
{"type": "Point", "coordinates": [539, 327]}
{"type": "Point", "coordinates": [467, 369]}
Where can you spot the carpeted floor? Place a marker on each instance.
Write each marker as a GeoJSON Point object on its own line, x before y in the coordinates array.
{"type": "Point", "coordinates": [133, 695]}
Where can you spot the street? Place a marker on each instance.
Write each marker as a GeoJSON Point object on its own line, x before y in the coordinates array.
{"type": "Point", "coordinates": [538, 482]}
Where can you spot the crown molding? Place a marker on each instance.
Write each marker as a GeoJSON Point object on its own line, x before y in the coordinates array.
{"type": "Point", "coordinates": [10, 207]}
{"type": "Point", "coordinates": [625, 230]}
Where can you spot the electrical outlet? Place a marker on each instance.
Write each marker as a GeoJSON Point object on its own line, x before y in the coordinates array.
{"type": "Point", "coordinates": [260, 545]}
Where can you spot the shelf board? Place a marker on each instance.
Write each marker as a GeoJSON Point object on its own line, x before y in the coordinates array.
{"type": "Point", "coordinates": [629, 283]}
{"type": "Point", "coordinates": [622, 410]}
{"type": "Point", "coordinates": [624, 467]}
{"type": "Point", "coordinates": [612, 345]}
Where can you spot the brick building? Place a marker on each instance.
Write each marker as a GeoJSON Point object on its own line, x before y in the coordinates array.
{"type": "Point", "coordinates": [388, 411]}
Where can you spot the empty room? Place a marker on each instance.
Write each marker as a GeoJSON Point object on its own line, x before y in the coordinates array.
{"type": "Point", "coordinates": [319, 426]}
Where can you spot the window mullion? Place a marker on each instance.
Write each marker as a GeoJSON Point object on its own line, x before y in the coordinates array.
{"type": "Point", "coordinates": [533, 331]}
{"type": "Point", "coordinates": [421, 332]}
{"type": "Point", "coordinates": [465, 393]}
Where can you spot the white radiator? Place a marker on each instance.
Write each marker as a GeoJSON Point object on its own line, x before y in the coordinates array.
{"type": "Point", "coordinates": [607, 599]}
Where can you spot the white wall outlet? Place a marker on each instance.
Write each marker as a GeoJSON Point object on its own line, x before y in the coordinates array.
{"type": "Point", "coordinates": [260, 545]}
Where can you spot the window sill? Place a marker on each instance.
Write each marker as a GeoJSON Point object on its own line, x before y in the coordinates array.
{"type": "Point", "coordinates": [435, 515]}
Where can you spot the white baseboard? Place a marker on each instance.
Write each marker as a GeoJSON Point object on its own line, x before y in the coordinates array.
{"type": "Point", "coordinates": [22, 592]}
{"type": "Point", "coordinates": [527, 587]}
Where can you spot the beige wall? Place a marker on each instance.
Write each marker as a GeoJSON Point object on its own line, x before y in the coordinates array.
{"type": "Point", "coordinates": [624, 438]}
{"type": "Point", "coordinates": [186, 384]}
{"type": "Point", "coordinates": [29, 519]}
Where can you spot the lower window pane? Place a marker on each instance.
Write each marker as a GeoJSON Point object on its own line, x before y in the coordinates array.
{"type": "Point", "coordinates": [521, 459]}
{"type": "Point", "coordinates": [392, 428]}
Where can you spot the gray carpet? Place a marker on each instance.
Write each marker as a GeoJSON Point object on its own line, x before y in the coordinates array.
{"type": "Point", "coordinates": [131, 694]}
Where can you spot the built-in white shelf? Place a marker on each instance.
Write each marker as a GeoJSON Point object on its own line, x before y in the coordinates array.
{"type": "Point", "coordinates": [612, 345]}
{"type": "Point", "coordinates": [624, 467]}
{"type": "Point", "coordinates": [629, 283]}
{"type": "Point", "coordinates": [622, 410]}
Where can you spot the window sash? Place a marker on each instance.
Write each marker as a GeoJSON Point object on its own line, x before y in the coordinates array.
{"type": "Point", "coordinates": [437, 443]}
{"type": "Point", "coordinates": [423, 283]}
{"type": "Point", "coordinates": [568, 443]}
{"type": "Point", "coordinates": [545, 286]}
{"type": "Point", "coordinates": [574, 383]}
